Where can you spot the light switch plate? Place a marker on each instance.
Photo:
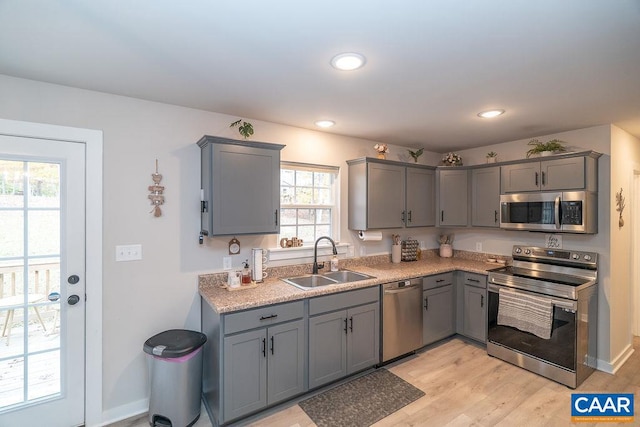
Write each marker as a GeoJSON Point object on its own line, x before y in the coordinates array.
{"type": "Point", "coordinates": [226, 263]}
{"type": "Point", "coordinates": [128, 252]}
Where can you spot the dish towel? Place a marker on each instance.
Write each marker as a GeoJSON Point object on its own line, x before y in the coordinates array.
{"type": "Point", "coordinates": [526, 312]}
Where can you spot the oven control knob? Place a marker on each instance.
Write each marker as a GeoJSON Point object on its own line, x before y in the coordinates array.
{"type": "Point", "coordinates": [587, 257]}
{"type": "Point", "coordinates": [527, 251]}
{"type": "Point", "coordinates": [576, 256]}
{"type": "Point", "coordinates": [518, 250]}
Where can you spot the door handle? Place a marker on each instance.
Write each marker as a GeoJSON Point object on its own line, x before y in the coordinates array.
{"type": "Point", "coordinates": [481, 301]}
{"type": "Point", "coordinates": [543, 180]}
{"type": "Point", "coordinates": [351, 323]}
{"type": "Point", "coordinates": [426, 303]}
{"type": "Point", "coordinates": [403, 212]}
{"type": "Point", "coordinates": [345, 326]}
{"type": "Point", "coordinates": [409, 216]}
{"type": "Point", "coordinates": [272, 345]}
{"type": "Point", "coordinates": [536, 179]}
{"type": "Point", "coordinates": [441, 216]}
{"type": "Point", "coordinates": [73, 299]}
{"type": "Point", "coordinates": [495, 216]}
{"type": "Point", "coordinates": [276, 217]}
{"type": "Point", "coordinates": [264, 347]}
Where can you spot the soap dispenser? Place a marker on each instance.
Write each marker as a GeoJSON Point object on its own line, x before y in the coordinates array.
{"type": "Point", "coordinates": [334, 263]}
{"type": "Point", "coordinates": [246, 273]}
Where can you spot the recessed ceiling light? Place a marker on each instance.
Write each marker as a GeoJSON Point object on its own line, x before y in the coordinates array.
{"type": "Point", "coordinates": [490, 113]}
{"type": "Point", "coordinates": [348, 61]}
{"type": "Point", "coordinates": [325, 123]}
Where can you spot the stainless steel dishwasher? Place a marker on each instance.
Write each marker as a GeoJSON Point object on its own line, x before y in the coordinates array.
{"type": "Point", "coordinates": [401, 318]}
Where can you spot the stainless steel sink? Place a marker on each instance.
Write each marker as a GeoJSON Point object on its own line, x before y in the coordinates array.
{"type": "Point", "coordinates": [309, 281]}
{"type": "Point", "coordinates": [345, 276]}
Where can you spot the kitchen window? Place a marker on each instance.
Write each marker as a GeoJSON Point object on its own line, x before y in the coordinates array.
{"type": "Point", "coordinates": [308, 201]}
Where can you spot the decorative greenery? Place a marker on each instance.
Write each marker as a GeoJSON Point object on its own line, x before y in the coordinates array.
{"type": "Point", "coordinates": [245, 128]}
{"type": "Point", "coordinates": [492, 154]}
{"type": "Point", "coordinates": [452, 159]}
{"type": "Point", "coordinates": [416, 154]}
{"type": "Point", "coordinates": [555, 146]}
{"type": "Point", "coordinates": [381, 148]}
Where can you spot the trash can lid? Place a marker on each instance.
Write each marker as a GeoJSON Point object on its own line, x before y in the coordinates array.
{"type": "Point", "coordinates": [174, 343]}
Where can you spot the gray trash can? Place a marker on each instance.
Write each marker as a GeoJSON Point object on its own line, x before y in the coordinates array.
{"type": "Point", "coordinates": [176, 377]}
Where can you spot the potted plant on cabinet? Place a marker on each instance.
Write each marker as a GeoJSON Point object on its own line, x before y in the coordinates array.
{"type": "Point", "coordinates": [244, 128]}
{"type": "Point", "coordinates": [492, 156]}
{"type": "Point", "coordinates": [545, 148]}
{"type": "Point", "coordinates": [416, 154]}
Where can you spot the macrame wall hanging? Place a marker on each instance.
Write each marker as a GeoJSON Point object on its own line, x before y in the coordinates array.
{"type": "Point", "coordinates": [156, 196]}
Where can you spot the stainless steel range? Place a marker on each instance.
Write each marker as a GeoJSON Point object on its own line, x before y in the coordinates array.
{"type": "Point", "coordinates": [542, 313]}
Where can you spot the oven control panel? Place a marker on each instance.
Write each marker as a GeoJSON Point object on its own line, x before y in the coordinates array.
{"type": "Point", "coordinates": [587, 259]}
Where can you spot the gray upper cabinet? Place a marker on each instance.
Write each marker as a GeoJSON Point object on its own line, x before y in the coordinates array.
{"type": "Point", "coordinates": [453, 203]}
{"type": "Point", "coordinates": [388, 194]}
{"type": "Point", "coordinates": [485, 197]}
{"type": "Point", "coordinates": [564, 173]}
{"type": "Point", "coordinates": [420, 208]}
{"type": "Point", "coordinates": [240, 187]}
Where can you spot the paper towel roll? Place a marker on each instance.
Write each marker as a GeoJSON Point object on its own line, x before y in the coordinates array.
{"type": "Point", "coordinates": [370, 236]}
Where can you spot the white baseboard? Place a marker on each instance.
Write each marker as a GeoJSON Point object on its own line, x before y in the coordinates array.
{"type": "Point", "coordinates": [613, 366]}
{"type": "Point", "coordinates": [123, 412]}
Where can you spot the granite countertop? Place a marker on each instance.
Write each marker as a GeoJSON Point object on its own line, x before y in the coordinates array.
{"type": "Point", "coordinates": [274, 290]}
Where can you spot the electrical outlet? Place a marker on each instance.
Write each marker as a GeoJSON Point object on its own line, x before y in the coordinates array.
{"type": "Point", "coordinates": [422, 244]}
{"type": "Point", "coordinates": [226, 263]}
{"type": "Point", "coordinates": [128, 252]}
{"type": "Point", "coordinates": [478, 246]}
{"type": "Point", "coordinates": [363, 251]}
{"type": "Point", "coordinates": [351, 251]}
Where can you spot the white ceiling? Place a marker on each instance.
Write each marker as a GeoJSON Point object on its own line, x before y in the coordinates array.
{"type": "Point", "coordinates": [432, 65]}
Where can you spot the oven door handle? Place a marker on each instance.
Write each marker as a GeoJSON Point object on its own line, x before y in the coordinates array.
{"type": "Point", "coordinates": [556, 208]}
{"type": "Point", "coordinates": [567, 304]}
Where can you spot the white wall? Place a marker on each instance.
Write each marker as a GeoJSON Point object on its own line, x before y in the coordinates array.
{"type": "Point", "coordinates": [144, 297]}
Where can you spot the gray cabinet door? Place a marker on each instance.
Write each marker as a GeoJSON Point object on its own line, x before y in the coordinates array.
{"type": "Point", "coordinates": [563, 174]}
{"type": "Point", "coordinates": [286, 357]}
{"type": "Point", "coordinates": [485, 197]}
{"type": "Point", "coordinates": [245, 190]}
{"type": "Point", "coordinates": [475, 313]}
{"type": "Point", "coordinates": [453, 197]}
{"type": "Point", "coordinates": [385, 194]}
{"type": "Point", "coordinates": [363, 337]}
{"type": "Point", "coordinates": [438, 320]}
{"type": "Point", "coordinates": [520, 177]}
{"type": "Point", "coordinates": [421, 210]}
{"type": "Point", "coordinates": [245, 373]}
{"type": "Point", "coordinates": [327, 348]}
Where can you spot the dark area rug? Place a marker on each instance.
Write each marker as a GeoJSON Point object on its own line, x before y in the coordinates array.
{"type": "Point", "coordinates": [361, 402]}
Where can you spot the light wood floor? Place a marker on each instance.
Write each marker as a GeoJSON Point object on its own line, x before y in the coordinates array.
{"type": "Point", "coordinates": [466, 387]}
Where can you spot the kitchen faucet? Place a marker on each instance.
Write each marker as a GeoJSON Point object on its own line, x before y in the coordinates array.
{"type": "Point", "coordinates": [315, 253]}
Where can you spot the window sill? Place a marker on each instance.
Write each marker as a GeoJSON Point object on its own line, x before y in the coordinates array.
{"type": "Point", "coordinates": [284, 254]}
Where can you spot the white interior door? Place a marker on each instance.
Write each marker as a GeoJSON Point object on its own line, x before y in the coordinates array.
{"type": "Point", "coordinates": [42, 287]}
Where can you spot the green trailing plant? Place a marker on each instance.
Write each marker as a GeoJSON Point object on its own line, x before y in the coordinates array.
{"type": "Point", "coordinates": [416, 154]}
{"type": "Point", "coordinates": [555, 146]}
{"type": "Point", "coordinates": [244, 128]}
{"type": "Point", "coordinates": [492, 154]}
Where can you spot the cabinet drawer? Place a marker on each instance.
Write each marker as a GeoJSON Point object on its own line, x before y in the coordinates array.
{"type": "Point", "coordinates": [343, 300]}
{"type": "Point", "coordinates": [473, 279]}
{"type": "Point", "coordinates": [437, 280]}
{"type": "Point", "coordinates": [263, 316]}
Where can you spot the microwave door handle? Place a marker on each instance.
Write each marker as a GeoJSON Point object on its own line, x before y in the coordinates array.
{"type": "Point", "coordinates": [557, 212]}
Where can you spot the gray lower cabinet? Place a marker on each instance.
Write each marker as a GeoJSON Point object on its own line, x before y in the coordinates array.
{"type": "Point", "coordinates": [474, 309]}
{"type": "Point", "coordinates": [253, 359]}
{"type": "Point", "coordinates": [438, 319]}
{"type": "Point", "coordinates": [344, 332]}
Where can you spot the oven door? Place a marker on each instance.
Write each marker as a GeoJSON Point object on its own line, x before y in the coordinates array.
{"type": "Point", "coordinates": [530, 211]}
{"type": "Point", "coordinates": [559, 350]}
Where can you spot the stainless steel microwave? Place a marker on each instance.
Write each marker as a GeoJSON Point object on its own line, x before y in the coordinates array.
{"type": "Point", "coordinates": [557, 212]}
